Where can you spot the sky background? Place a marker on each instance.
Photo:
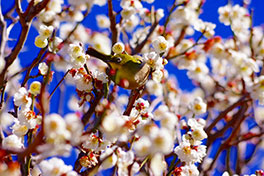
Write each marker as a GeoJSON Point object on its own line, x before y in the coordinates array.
{"type": "Point", "coordinates": [209, 14]}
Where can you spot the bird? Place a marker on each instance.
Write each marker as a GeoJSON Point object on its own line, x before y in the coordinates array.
{"type": "Point", "coordinates": [127, 71]}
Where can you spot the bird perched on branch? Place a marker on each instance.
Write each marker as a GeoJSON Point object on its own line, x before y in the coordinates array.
{"type": "Point", "coordinates": [127, 71]}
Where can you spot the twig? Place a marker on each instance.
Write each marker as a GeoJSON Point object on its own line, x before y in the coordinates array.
{"type": "Point", "coordinates": [75, 27]}
{"type": "Point", "coordinates": [91, 110]}
{"type": "Point", "coordinates": [211, 138]}
{"type": "Point", "coordinates": [2, 97]}
{"type": "Point", "coordinates": [181, 36]}
{"type": "Point", "coordinates": [142, 44]}
{"type": "Point", "coordinates": [3, 37]}
{"type": "Point", "coordinates": [112, 18]}
{"type": "Point", "coordinates": [169, 15]}
{"type": "Point", "coordinates": [19, 11]}
{"type": "Point", "coordinates": [58, 84]}
{"type": "Point", "coordinates": [223, 114]}
{"type": "Point", "coordinates": [247, 138]}
{"type": "Point", "coordinates": [227, 143]}
{"type": "Point", "coordinates": [25, 21]}
{"type": "Point", "coordinates": [33, 64]}
{"type": "Point", "coordinates": [228, 161]}
{"type": "Point", "coordinates": [134, 94]}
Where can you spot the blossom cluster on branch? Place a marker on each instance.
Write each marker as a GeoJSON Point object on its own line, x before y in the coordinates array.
{"type": "Point", "coordinates": [159, 129]}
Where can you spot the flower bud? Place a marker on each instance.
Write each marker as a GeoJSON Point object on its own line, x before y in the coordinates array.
{"type": "Point", "coordinates": [118, 48]}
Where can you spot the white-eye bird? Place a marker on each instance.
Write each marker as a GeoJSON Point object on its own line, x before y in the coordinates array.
{"type": "Point", "coordinates": [127, 71]}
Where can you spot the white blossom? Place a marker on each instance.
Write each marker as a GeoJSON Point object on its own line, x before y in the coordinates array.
{"type": "Point", "coordinates": [45, 31]}
{"type": "Point", "coordinates": [35, 87]}
{"type": "Point", "coordinates": [198, 106]}
{"type": "Point", "coordinates": [12, 142]}
{"type": "Point", "coordinates": [43, 68]}
{"type": "Point", "coordinates": [103, 21]}
{"type": "Point", "coordinates": [41, 41]}
{"type": "Point", "coordinates": [142, 147]}
{"type": "Point", "coordinates": [55, 167]}
{"type": "Point", "coordinates": [56, 129]}
{"type": "Point", "coordinates": [160, 44]}
{"type": "Point", "coordinates": [118, 48]}
{"type": "Point", "coordinates": [21, 98]}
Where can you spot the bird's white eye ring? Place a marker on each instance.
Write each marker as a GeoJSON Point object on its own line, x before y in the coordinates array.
{"type": "Point", "coordinates": [118, 59]}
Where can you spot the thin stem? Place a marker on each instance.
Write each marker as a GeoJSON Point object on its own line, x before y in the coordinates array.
{"type": "Point", "coordinates": [227, 143]}
{"type": "Point", "coordinates": [2, 97]}
{"type": "Point", "coordinates": [62, 79]}
{"type": "Point", "coordinates": [112, 18]}
{"type": "Point", "coordinates": [223, 114]}
{"type": "Point", "coordinates": [169, 15]}
{"type": "Point", "coordinates": [3, 37]}
{"type": "Point", "coordinates": [91, 110]}
{"type": "Point", "coordinates": [25, 21]}
{"type": "Point", "coordinates": [134, 94]}
{"type": "Point", "coordinates": [142, 44]}
{"type": "Point", "coordinates": [228, 161]}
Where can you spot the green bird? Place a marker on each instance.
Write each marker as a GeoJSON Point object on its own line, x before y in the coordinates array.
{"type": "Point", "coordinates": [127, 71]}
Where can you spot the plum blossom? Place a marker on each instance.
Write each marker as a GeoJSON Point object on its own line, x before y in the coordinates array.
{"type": "Point", "coordinates": [12, 142]}
{"type": "Point", "coordinates": [21, 98]}
{"type": "Point", "coordinates": [160, 44]}
{"type": "Point", "coordinates": [43, 68]}
{"type": "Point", "coordinates": [198, 106]}
{"type": "Point", "coordinates": [54, 167]}
{"type": "Point", "coordinates": [35, 87]}
{"type": "Point", "coordinates": [118, 48]}
{"type": "Point", "coordinates": [103, 21]}
{"type": "Point", "coordinates": [56, 129]}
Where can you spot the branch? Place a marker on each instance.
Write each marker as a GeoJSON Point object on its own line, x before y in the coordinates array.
{"type": "Point", "coordinates": [25, 22]}
{"type": "Point", "coordinates": [91, 110]}
{"type": "Point", "coordinates": [181, 36]}
{"type": "Point", "coordinates": [58, 84]}
{"type": "Point", "coordinates": [112, 18]}
{"type": "Point", "coordinates": [227, 143]}
{"type": "Point", "coordinates": [247, 138]}
{"type": "Point", "coordinates": [33, 64]}
{"type": "Point", "coordinates": [231, 123]}
{"type": "Point", "coordinates": [223, 114]}
{"type": "Point", "coordinates": [134, 94]}
{"type": "Point", "coordinates": [169, 15]}
{"type": "Point", "coordinates": [19, 10]}
{"type": "Point", "coordinates": [3, 37]}
{"type": "Point", "coordinates": [142, 44]}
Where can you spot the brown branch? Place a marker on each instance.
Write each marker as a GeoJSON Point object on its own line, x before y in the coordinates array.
{"type": "Point", "coordinates": [112, 18]}
{"type": "Point", "coordinates": [33, 64]}
{"type": "Point", "coordinates": [142, 44]}
{"type": "Point", "coordinates": [134, 94]}
{"type": "Point", "coordinates": [169, 15]}
{"type": "Point", "coordinates": [9, 13]}
{"type": "Point", "coordinates": [227, 143]}
{"type": "Point", "coordinates": [58, 84]}
{"type": "Point", "coordinates": [32, 12]}
{"type": "Point", "coordinates": [247, 138]}
{"type": "Point", "coordinates": [224, 113]}
{"type": "Point", "coordinates": [219, 133]}
{"type": "Point", "coordinates": [2, 97]}
{"type": "Point", "coordinates": [3, 37]}
{"type": "Point", "coordinates": [19, 10]}
{"type": "Point", "coordinates": [91, 110]}
{"type": "Point", "coordinates": [181, 36]}
{"type": "Point", "coordinates": [75, 27]}
{"type": "Point", "coordinates": [25, 21]}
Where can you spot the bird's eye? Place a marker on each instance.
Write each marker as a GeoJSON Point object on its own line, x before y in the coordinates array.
{"type": "Point", "coordinates": [118, 59]}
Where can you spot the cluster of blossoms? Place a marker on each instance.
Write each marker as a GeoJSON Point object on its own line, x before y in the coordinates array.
{"type": "Point", "coordinates": [160, 129]}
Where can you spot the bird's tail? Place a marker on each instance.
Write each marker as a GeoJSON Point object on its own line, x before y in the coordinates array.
{"type": "Point", "coordinates": [94, 53]}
